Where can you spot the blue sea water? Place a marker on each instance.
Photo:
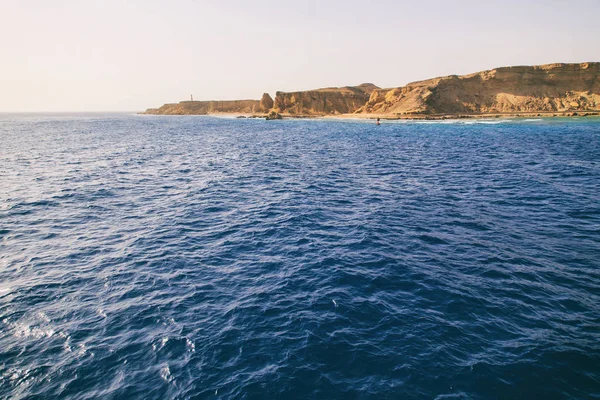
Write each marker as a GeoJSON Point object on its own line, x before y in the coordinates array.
{"type": "Point", "coordinates": [146, 257]}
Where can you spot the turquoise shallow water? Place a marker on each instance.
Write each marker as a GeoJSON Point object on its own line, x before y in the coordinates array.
{"type": "Point", "coordinates": [206, 258]}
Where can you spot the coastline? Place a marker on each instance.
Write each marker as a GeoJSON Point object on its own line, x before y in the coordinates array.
{"type": "Point", "coordinates": [434, 117]}
{"type": "Point", "coordinates": [410, 117]}
{"type": "Point", "coordinates": [539, 91]}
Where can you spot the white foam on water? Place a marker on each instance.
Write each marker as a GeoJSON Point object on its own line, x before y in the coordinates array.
{"type": "Point", "coordinates": [463, 122]}
{"type": "Point", "coordinates": [81, 350]}
{"type": "Point", "coordinates": [225, 116]}
{"type": "Point", "coordinates": [335, 303]}
{"type": "Point", "coordinates": [438, 122]}
{"type": "Point", "coordinates": [165, 374]}
{"type": "Point", "coordinates": [396, 121]}
{"type": "Point", "coordinates": [41, 329]}
{"type": "Point", "coordinates": [41, 315]}
{"type": "Point", "coordinates": [101, 312]}
{"type": "Point", "coordinates": [25, 331]}
{"type": "Point", "coordinates": [66, 345]}
{"type": "Point", "coordinates": [487, 122]}
{"type": "Point", "coordinates": [533, 120]}
{"type": "Point", "coordinates": [190, 345]}
{"type": "Point", "coordinates": [163, 341]}
{"type": "Point", "coordinates": [4, 291]}
{"type": "Point", "coordinates": [14, 374]}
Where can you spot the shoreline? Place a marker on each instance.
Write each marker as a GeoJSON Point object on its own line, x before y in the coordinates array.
{"type": "Point", "coordinates": [409, 117]}
{"type": "Point", "coordinates": [436, 117]}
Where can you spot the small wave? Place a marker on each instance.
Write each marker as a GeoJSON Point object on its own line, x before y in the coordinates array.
{"type": "Point", "coordinates": [502, 121]}
{"type": "Point", "coordinates": [438, 122]}
{"type": "Point", "coordinates": [41, 315]}
{"type": "Point", "coordinates": [5, 291]}
{"type": "Point", "coordinates": [487, 122]}
{"type": "Point", "coordinates": [432, 239]}
{"type": "Point", "coordinates": [14, 375]}
{"type": "Point", "coordinates": [158, 346]}
{"type": "Point", "coordinates": [67, 343]}
{"type": "Point", "coordinates": [165, 374]}
{"type": "Point", "coordinates": [190, 345]}
{"type": "Point", "coordinates": [464, 122]}
{"type": "Point", "coordinates": [81, 349]}
{"type": "Point", "coordinates": [25, 331]}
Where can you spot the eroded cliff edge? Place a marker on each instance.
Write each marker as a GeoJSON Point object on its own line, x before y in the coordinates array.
{"type": "Point", "coordinates": [509, 90]}
{"type": "Point", "coordinates": [327, 101]}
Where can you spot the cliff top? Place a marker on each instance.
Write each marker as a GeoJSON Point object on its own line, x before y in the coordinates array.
{"type": "Point", "coordinates": [363, 87]}
{"type": "Point", "coordinates": [513, 69]}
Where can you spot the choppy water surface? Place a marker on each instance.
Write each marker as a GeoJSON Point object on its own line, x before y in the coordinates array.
{"type": "Point", "coordinates": [196, 257]}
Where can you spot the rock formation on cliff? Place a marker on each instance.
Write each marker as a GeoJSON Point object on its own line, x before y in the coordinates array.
{"type": "Point", "coordinates": [266, 103]}
{"type": "Point", "coordinates": [544, 88]}
{"type": "Point", "coordinates": [326, 101]}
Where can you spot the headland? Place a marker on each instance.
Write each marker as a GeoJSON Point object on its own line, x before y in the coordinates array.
{"type": "Point", "coordinates": [521, 91]}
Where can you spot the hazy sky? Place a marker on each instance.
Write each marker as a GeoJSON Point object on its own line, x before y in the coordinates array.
{"type": "Point", "coordinates": [128, 55]}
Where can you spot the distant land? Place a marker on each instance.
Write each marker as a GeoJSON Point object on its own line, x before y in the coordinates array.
{"type": "Point", "coordinates": [541, 90]}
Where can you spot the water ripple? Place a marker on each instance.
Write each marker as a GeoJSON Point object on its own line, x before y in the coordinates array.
{"type": "Point", "coordinates": [159, 257]}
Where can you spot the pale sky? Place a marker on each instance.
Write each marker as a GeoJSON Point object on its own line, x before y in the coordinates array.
{"type": "Point", "coordinates": [128, 55]}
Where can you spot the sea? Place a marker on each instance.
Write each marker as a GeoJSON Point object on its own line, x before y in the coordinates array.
{"type": "Point", "coordinates": [195, 257]}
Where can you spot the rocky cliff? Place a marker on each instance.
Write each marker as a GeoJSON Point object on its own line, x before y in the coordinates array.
{"type": "Point", "coordinates": [552, 88]}
{"type": "Point", "coordinates": [209, 107]}
{"type": "Point", "coordinates": [544, 88]}
{"type": "Point", "coordinates": [328, 101]}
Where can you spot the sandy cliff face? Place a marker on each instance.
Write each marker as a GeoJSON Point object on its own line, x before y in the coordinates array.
{"type": "Point", "coordinates": [208, 107]}
{"type": "Point", "coordinates": [544, 88]}
{"type": "Point", "coordinates": [552, 88]}
{"type": "Point", "coordinates": [324, 101]}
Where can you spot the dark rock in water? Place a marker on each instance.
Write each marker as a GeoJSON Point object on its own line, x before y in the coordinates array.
{"type": "Point", "coordinates": [273, 115]}
{"type": "Point", "coordinates": [240, 116]}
